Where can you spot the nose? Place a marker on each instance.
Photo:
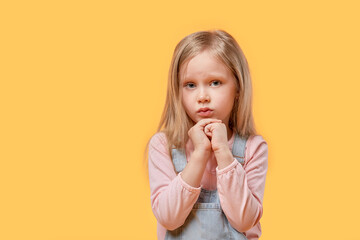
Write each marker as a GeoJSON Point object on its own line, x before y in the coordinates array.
{"type": "Point", "coordinates": [203, 96]}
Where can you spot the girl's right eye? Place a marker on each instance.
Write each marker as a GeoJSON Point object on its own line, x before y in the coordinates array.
{"type": "Point", "coordinates": [190, 85]}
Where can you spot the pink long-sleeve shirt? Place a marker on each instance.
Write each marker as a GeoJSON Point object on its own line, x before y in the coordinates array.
{"type": "Point", "coordinates": [240, 188]}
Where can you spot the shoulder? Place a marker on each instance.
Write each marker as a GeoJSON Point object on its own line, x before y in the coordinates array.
{"type": "Point", "coordinates": [158, 157]}
{"type": "Point", "coordinates": [256, 148]}
{"type": "Point", "coordinates": [158, 138]}
{"type": "Point", "coordinates": [158, 143]}
{"type": "Point", "coordinates": [255, 140]}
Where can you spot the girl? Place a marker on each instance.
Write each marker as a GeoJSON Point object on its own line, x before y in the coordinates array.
{"type": "Point", "coordinates": [207, 166]}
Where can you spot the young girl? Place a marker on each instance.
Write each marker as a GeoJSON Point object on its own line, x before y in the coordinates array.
{"type": "Point", "coordinates": [207, 166]}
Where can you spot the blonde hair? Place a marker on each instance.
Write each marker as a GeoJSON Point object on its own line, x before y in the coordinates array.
{"type": "Point", "coordinates": [175, 123]}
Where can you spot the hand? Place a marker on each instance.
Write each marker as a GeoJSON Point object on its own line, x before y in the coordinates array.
{"type": "Point", "coordinates": [218, 133]}
{"type": "Point", "coordinates": [198, 137]}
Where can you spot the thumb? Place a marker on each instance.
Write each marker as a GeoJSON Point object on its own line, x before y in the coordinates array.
{"type": "Point", "coordinates": [207, 130]}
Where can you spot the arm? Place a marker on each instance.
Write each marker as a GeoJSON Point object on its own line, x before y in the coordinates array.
{"type": "Point", "coordinates": [171, 197]}
{"type": "Point", "coordinates": [241, 189]}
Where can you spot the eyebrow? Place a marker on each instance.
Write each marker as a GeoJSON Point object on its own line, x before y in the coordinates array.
{"type": "Point", "coordinates": [207, 77]}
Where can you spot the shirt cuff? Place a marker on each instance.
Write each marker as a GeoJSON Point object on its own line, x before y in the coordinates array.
{"type": "Point", "coordinates": [187, 186]}
{"type": "Point", "coordinates": [227, 168]}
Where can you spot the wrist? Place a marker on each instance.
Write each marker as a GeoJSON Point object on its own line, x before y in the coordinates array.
{"type": "Point", "coordinates": [202, 152]}
{"type": "Point", "coordinates": [221, 149]}
{"type": "Point", "coordinates": [224, 157]}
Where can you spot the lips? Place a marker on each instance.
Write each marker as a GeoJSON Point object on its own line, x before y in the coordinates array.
{"type": "Point", "coordinates": [205, 112]}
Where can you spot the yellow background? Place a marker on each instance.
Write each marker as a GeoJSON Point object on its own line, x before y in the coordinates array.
{"type": "Point", "coordinates": [83, 87]}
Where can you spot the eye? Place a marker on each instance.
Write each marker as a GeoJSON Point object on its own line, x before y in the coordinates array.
{"type": "Point", "coordinates": [215, 83]}
{"type": "Point", "coordinates": [189, 85]}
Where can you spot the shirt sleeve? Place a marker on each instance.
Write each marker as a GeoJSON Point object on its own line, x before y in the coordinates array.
{"type": "Point", "coordinates": [171, 198]}
{"type": "Point", "coordinates": [241, 188]}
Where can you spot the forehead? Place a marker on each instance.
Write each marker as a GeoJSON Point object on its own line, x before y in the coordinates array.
{"type": "Point", "coordinates": [203, 66]}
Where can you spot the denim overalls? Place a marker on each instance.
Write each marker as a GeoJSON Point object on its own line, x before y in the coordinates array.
{"type": "Point", "coordinates": [207, 220]}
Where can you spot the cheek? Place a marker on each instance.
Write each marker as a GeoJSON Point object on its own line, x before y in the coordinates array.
{"type": "Point", "coordinates": [227, 101]}
{"type": "Point", "coordinates": [185, 99]}
{"type": "Point", "coordinates": [227, 97]}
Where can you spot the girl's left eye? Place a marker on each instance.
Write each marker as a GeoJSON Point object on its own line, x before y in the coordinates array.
{"type": "Point", "coordinates": [215, 83]}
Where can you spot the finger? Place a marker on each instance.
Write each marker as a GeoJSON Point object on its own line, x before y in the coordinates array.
{"type": "Point", "coordinates": [207, 128]}
{"type": "Point", "coordinates": [208, 131]}
{"type": "Point", "coordinates": [209, 135]}
{"type": "Point", "coordinates": [203, 122]}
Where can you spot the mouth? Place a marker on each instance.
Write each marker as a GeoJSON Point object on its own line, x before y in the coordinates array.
{"type": "Point", "coordinates": [205, 112]}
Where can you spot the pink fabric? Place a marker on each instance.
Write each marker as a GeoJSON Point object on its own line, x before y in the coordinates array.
{"type": "Point", "coordinates": [240, 188]}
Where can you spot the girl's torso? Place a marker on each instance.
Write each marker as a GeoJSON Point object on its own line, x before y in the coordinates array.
{"type": "Point", "coordinates": [207, 220]}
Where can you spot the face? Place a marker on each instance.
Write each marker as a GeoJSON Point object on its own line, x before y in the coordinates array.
{"type": "Point", "coordinates": [207, 88]}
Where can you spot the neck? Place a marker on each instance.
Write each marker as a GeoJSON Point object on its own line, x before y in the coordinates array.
{"type": "Point", "coordinates": [229, 132]}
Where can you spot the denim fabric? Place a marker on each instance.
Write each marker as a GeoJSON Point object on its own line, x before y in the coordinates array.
{"type": "Point", "coordinates": [207, 220]}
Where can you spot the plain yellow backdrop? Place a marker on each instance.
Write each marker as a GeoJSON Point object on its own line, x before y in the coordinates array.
{"type": "Point", "coordinates": [83, 87]}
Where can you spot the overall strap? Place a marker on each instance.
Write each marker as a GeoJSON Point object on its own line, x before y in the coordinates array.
{"type": "Point", "coordinates": [238, 151]}
{"type": "Point", "coordinates": [179, 159]}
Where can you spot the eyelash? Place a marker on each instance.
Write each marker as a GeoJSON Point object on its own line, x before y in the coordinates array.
{"type": "Point", "coordinates": [187, 84]}
{"type": "Point", "coordinates": [217, 81]}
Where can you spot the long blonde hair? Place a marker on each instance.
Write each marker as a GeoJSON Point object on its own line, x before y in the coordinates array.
{"type": "Point", "coordinates": [175, 123]}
